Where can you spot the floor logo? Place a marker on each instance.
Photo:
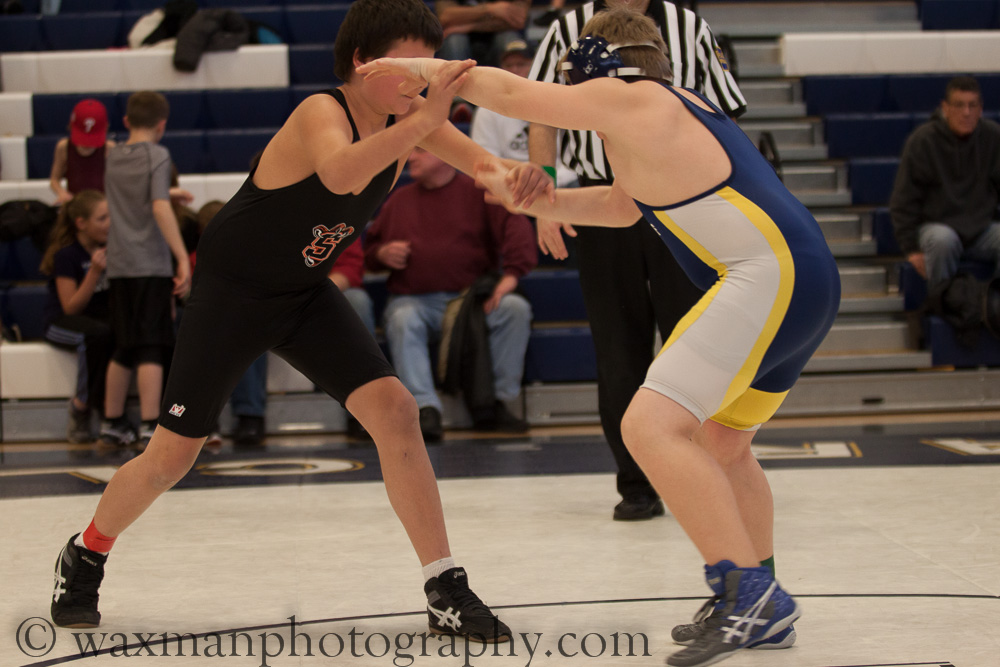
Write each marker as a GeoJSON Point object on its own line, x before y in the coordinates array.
{"type": "Point", "coordinates": [966, 446]}
{"type": "Point", "coordinates": [808, 450]}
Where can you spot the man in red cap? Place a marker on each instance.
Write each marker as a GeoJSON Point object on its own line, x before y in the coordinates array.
{"type": "Point", "coordinates": [79, 158]}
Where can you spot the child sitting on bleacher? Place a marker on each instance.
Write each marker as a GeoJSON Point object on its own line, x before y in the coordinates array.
{"type": "Point", "coordinates": [76, 314]}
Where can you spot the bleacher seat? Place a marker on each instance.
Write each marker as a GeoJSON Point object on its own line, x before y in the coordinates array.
{"type": "Point", "coordinates": [314, 24]}
{"type": "Point", "coordinates": [15, 114]}
{"type": "Point", "coordinates": [19, 260]}
{"type": "Point", "coordinates": [868, 135]}
{"type": "Point", "coordinates": [555, 295]}
{"type": "Point", "coordinates": [252, 66]}
{"type": "Point", "coordinates": [871, 179]}
{"type": "Point", "coordinates": [242, 109]}
{"type": "Point", "coordinates": [959, 14]}
{"type": "Point", "coordinates": [844, 94]}
{"type": "Point", "coordinates": [72, 32]}
{"type": "Point", "coordinates": [272, 17]}
{"type": "Point", "coordinates": [21, 33]}
{"type": "Point", "coordinates": [946, 350]}
{"type": "Point", "coordinates": [231, 150]}
{"type": "Point", "coordinates": [187, 108]}
{"type": "Point", "coordinates": [883, 233]}
{"type": "Point", "coordinates": [311, 64]}
{"type": "Point", "coordinates": [78, 6]}
{"type": "Point", "coordinates": [24, 305]}
{"type": "Point", "coordinates": [560, 354]}
{"type": "Point", "coordinates": [40, 151]}
{"type": "Point", "coordinates": [188, 151]}
{"type": "Point", "coordinates": [13, 157]}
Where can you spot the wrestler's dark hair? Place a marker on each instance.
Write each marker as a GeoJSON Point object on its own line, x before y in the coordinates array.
{"type": "Point", "coordinates": [371, 27]}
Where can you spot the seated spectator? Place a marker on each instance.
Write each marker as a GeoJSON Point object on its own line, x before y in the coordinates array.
{"type": "Point", "coordinates": [944, 201]}
{"type": "Point", "coordinates": [480, 30]}
{"type": "Point", "coordinates": [508, 137]}
{"type": "Point", "coordinates": [437, 237]}
{"type": "Point", "coordinates": [76, 314]}
{"type": "Point", "coordinates": [80, 157]}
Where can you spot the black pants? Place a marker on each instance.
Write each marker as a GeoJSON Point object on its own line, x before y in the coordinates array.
{"type": "Point", "coordinates": [631, 285]}
{"type": "Point", "coordinates": [92, 339]}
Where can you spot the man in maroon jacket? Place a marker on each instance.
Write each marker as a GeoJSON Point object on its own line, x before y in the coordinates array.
{"type": "Point", "coordinates": [436, 236]}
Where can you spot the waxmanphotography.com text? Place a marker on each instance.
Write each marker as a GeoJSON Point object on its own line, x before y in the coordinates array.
{"type": "Point", "coordinates": [37, 638]}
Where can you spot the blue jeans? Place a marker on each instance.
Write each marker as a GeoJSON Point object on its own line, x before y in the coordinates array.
{"type": "Point", "coordinates": [362, 305]}
{"type": "Point", "coordinates": [943, 249]}
{"type": "Point", "coordinates": [249, 398]}
{"type": "Point", "coordinates": [412, 322]}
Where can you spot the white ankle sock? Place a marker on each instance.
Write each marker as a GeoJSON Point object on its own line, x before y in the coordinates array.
{"type": "Point", "coordinates": [438, 567]}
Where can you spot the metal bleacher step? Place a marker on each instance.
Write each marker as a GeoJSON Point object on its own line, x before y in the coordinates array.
{"type": "Point", "coordinates": [858, 335]}
{"type": "Point", "coordinates": [798, 139]}
{"type": "Point", "coordinates": [772, 98]}
{"type": "Point", "coordinates": [756, 58]}
{"type": "Point", "coordinates": [818, 185]}
{"type": "Point", "coordinates": [862, 279]}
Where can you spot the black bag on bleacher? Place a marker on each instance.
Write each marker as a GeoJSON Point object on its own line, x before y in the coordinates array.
{"type": "Point", "coordinates": [27, 217]}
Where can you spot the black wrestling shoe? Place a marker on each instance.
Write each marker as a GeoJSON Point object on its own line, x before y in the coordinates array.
{"type": "Point", "coordinates": [78, 574]}
{"type": "Point", "coordinates": [453, 609]}
{"type": "Point", "coordinates": [640, 508]}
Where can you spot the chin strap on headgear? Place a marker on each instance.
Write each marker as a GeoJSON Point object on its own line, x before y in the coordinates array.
{"type": "Point", "coordinates": [593, 57]}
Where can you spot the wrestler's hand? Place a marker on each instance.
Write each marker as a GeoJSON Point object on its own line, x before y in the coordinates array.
{"type": "Point", "coordinates": [416, 72]}
{"type": "Point", "coordinates": [550, 240]}
{"type": "Point", "coordinates": [491, 175]}
{"type": "Point", "coordinates": [528, 182]}
{"type": "Point", "coordinates": [445, 84]}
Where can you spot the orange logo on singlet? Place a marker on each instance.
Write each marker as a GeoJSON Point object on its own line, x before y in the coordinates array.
{"type": "Point", "coordinates": [324, 243]}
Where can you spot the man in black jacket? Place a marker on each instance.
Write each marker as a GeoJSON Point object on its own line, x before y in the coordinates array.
{"type": "Point", "coordinates": [944, 201]}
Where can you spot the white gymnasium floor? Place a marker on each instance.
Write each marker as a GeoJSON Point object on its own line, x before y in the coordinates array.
{"type": "Point", "coordinates": [895, 564]}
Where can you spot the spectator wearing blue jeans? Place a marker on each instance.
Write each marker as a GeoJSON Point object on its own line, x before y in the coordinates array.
{"type": "Point", "coordinates": [944, 201]}
{"type": "Point", "coordinates": [437, 237]}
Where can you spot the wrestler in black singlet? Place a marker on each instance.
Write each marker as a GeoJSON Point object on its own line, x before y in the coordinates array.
{"type": "Point", "coordinates": [261, 284]}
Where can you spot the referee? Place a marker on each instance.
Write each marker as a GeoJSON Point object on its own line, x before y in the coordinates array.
{"type": "Point", "coordinates": [631, 283]}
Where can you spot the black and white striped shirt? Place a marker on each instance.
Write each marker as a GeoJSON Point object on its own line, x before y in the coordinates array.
{"type": "Point", "coordinates": [695, 57]}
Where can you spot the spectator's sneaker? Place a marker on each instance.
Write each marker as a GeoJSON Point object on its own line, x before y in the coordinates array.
{"type": "Point", "coordinates": [78, 427]}
{"type": "Point", "coordinates": [453, 609]}
{"type": "Point", "coordinates": [249, 431]}
{"type": "Point", "coordinates": [145, 434]}
{"type": "Point", "coordinates": [117, 434]}
{"type": "Point", "coordinates": [430, 424]}
{"type": "Point", "coordinates": [749, 607]}
{"type": "Point", "coordinates": [78, 574]}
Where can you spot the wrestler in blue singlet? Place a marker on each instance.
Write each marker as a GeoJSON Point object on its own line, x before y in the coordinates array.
{"type": "Point", "coordinates": [773, 287]}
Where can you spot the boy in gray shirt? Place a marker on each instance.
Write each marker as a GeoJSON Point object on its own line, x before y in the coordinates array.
{"type": "Point", "coordinates": [144, 235]}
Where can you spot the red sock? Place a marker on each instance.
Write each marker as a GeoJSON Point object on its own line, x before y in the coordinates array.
{"type": "Point", "coordinates": [94, 540]}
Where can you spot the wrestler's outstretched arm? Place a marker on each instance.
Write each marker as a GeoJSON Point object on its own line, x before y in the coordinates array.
{"type": "Point", "coordinates": [600, 206]}
{"type": "Point", "coordinates": [599, 104]}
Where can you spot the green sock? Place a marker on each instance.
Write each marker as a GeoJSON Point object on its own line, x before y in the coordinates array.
{"type": "Point", "coordinates": [769, 564]}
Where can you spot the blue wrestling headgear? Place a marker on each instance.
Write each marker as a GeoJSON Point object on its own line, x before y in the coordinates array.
{"type": "Point", "coordinates": [592, 57]}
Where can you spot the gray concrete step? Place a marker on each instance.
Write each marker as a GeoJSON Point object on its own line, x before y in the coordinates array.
{"type": "Point", "coordinates": [876, 336]}
{"type": "Point", "coordinates": [860, 361]}
{"type": "Point", "coordinates": [815, 177]}
{"type": "Point", "coordinates": [798, 132]}
{"type": "Point", "coordinates": [861, 279]}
